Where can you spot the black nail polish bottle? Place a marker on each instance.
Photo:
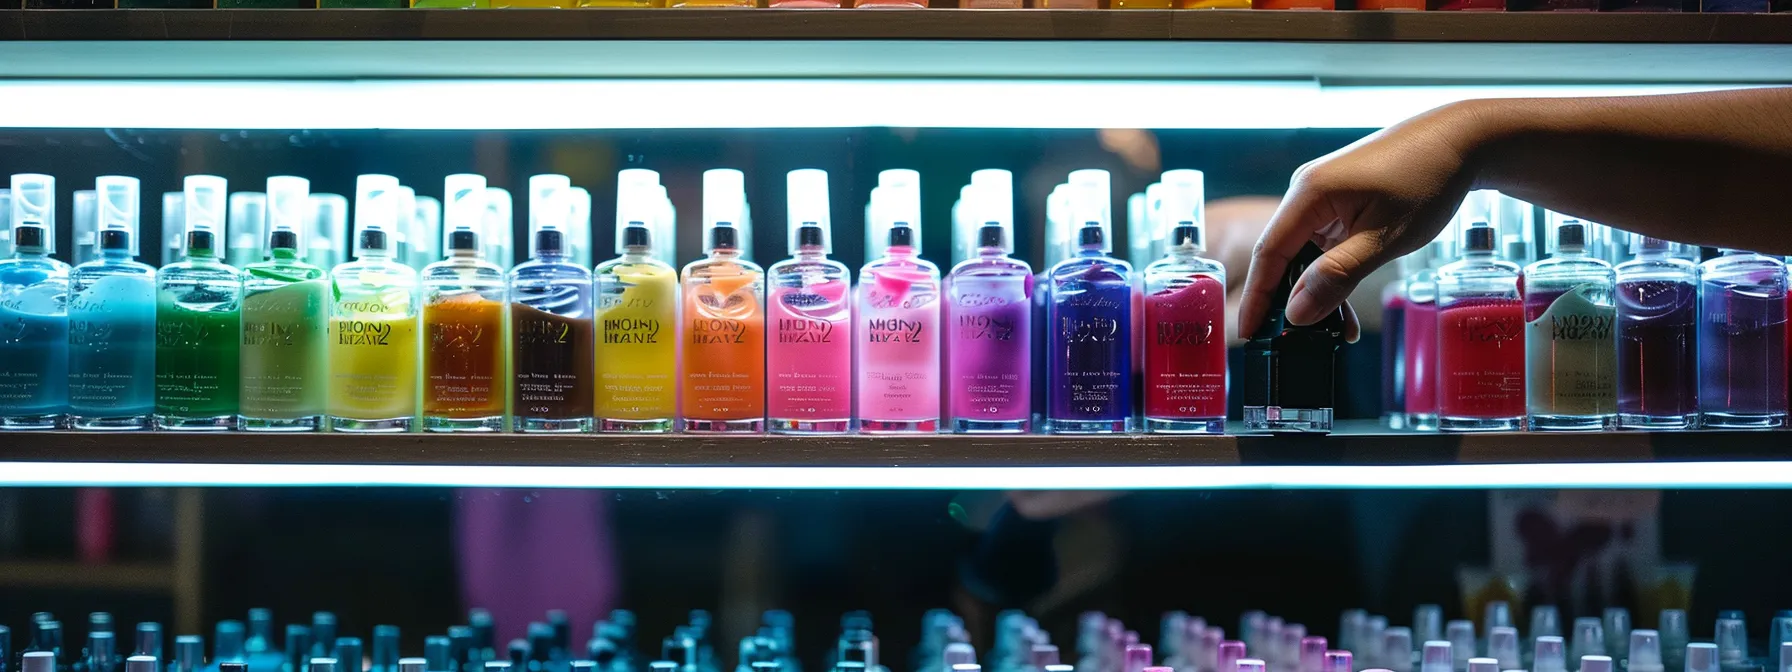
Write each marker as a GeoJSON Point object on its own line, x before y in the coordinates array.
{"type": "Point", "coordinates": [1288, 374]}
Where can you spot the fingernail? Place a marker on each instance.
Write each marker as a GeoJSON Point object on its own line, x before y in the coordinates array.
{"type": "Point", "coordinates": [1299, 305]}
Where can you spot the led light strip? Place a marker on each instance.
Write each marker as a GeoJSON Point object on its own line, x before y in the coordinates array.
{"type": "Point", "coordinates": [1518, 476]}
{"type": "Point", "coordinates": [737, 103]}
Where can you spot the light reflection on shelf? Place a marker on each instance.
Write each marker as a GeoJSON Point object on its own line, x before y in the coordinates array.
{"type": "Point", "coordinates": [523, 104]}
{"type": "Point", "coordinates": [1520, 476]}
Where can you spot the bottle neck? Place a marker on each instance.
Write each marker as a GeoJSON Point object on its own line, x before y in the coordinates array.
{"type": "Point", "coordinates": [992, 252]}
{"type": "Point", "coordinates": [725, 253]}
{"type": "Point", "coordinates": [1571, 251]}
{"type": "Point", "coordinates": [900, 252]}
{"type": "Point", "coordinates": [284, 254]}
{"type": "Point", "coordinates": [811, 253]}
{"type": "Point", "coordinates": [636, 253]}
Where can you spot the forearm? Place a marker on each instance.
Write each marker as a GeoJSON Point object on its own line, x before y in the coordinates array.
{"type": "Point", "coordinates": [1709, 168]}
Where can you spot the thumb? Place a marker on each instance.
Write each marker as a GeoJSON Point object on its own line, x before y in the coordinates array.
{"type": "Point", "coordinates": [1326, 283]}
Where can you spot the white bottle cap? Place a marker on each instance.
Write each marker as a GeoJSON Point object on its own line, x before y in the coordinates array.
{"type": "Point", "coordinates": [207, 198]}
{"type": "Point", "coordinates": [1436, 658]}
{"type": "Point", "coordinates": [638, 215]}
{"type": "Point", "coordinates": [426, 234]}
{"type": "Point", "coordinates": [38, 661]}
{"type": "Point", "coordinates": [248, 226]}
{"type": "Point", "coordinates": [1057, 225]}
{"type": "Point", "coordinates": [118, 212]}
{"type": "Point", "coordinates": [1461, 634]}
{"type": "Point", "coordinates": [330, 240]}
{"type": "Point", "coordinates": [811, 217]}
{"type": "Point", "coordinates": [1100, 180]}
{"type": "Point", "coordinates": [1550, 655]}
{"type": "Point", "coordinates": [1488, 665]}
{"type": "Point", "coordinates": [499, 227]}
{"type": "Point", "coordinates": [463, 215]}
{"type": "Point", "coordinates": [86, 226]}
{"type": "Point", "coordinates": [376, 216]}
{"type": "Point", "coordinates": [1142, 210]}
{"type": "Point", "coordinates": [989, 210]}
{"type": "Point", "coordinates": [1645, 652]}
{"type": "Point", "coordinates": [1502, 646]}
{"type": "Point", "coordinates": [34, 206]}
{"type": "Point", "coordinates": [407, 211]}
{"type": "Point", "coordinates": [578, 225]}
{"type": "Point", "coordinates": [724, 207]}
{"type": "Point", "coordinates": [1516, 221]}
{"type": "Point", "coordinates": [289, 202]}
{"type": "Point", "coordinates": [1183, 214]}
{"type": "Point", "coordinates": [1089, 210]}
{"type": "Point", "coordinates": [5, 223]}
{"type": "Point", "coordinates": [550, 214]}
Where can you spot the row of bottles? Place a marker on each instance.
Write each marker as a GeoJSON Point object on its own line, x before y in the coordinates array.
{"type": "Point", "coordinates": [630, 345]}
{"type": "Point", "coordinates": [1589, 338]}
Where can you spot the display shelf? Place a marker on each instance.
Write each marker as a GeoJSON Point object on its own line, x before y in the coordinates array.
{"type": "Point", "coordinates": [1351, 46]}
{"type": "Point", "coordinates": [1362, 455]}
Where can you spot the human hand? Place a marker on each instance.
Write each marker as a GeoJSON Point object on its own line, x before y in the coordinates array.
{"type": "Point", "coordinates": [1367, 204]}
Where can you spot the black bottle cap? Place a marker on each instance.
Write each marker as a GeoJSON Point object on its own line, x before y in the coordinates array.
{"type": "Point", "coordinates": [1571, 232]}
{"type": "Point", "coordinates": [113, 239]}
{"type": "Point", "coordinates": [227, 643]}
{"type": "Point", "coordinates": [371, 239]}
{"type": "Point", "coordinates": [201, 240]}
{"type": "Point", "coordinates": [1187, 234]}
{"type": "Point", "coordinates": [438, 654]}
{"type": "Point", "coordinates": [541, 641]}
{"type": "Point", "coordinates": [149, 639]}
{"type": "Point", "coordinates": [901, 235]}
{"type": "Point", "coordinates": [1307, 256]}
{"type": "Point", "coordinates": [550, 241]}
{"type": "Point", "coordinates": [810, 234]}
{"type": "Point", "coordinates": [463, 240]}
{"type": "Point", "coordinates": [28, 236]}
{"type": "Point", "coordinates": [1090, 236]}
{"type": "Point", "coordinates": [992, 234]}
{"type": "Point", "coordinates": [720, 238]}
{"type": "Point", "coordinates": [1479, 237]}
{"type": "Point", "coordinates": [635, 234]}
{"type": "Point", "coordinates": [99, 621]}
{"type": "Point", "coordinates": [233, 667]}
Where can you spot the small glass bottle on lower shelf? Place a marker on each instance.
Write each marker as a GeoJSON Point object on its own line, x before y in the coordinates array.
{"type": "Point", "coordinates": [1571, 361]}
{"type": "Point", "coordinates": [1185, 320]}
{"type": "Point", "coordinates": [199, 321]}
{"type": "Point", "coordinates": [1742, 341]}
{"type": "Point", "coordinates": [1089, 340]}
{"type": "Point", "coordinates": [112, 322]}
{"type": "Point", "coordinates": [1480, 337]}
{"type": "Point", "coordinates": [989, 325]}
{"type": "Point", "coordinates": [463, 322]}
{"type": "Point", "coordinates": [550, 319]}
{"type": "Point", "coordinates": [637, 327]}
{"type": "Point", "coordinates": [34, 293]}
{"type": "Point", "coordinates": [808, 361]}
{"type": "Point", "coordinates": [722, 328]}
{"type": "Point", "coordinates": [1286, 382]}
{"type": "Point", "coordinates": [374, 350]}
{"type": "Point", "coordinates": [286, 316]}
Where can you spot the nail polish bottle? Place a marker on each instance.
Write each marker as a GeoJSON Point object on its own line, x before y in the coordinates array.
{"type": "Point", "coordinates": [1185, 319]}
{"type": "Point", "coordinates": [1702, 657]}
{"type": "Point", "coordinates": [463, 322]}
{"type": "Point", "coordinates": [1616, 622]}
{"type": "Point", "coordinates": [1742, 341]}
{"type": "Point", "coordinates": [1090, 339]}
{"type": "Point", "coordinates": [1645, 652]}
{"type": "Point", "coordinates": [1396, 649]}
{"type": "Point", "coordinates": [1437, 658]}
{"type": "Point", "coordinates": [809, 363]}
{"type": "Point", "coordinates": [1502, 646]}
{"type": "Point", "coordinates": [1287, 380]}
{"type": "Point", "coordinates": [375, 353]}
{"type": "Point", "coordinates": [112, 321]}
{"type": "Point", "coordinates": [899, 323]}
{"type": "Point", "coordinates": [1657, 309]}
{"type": "Point", "coordinates": [1369, 640]}
{"type": "Point", "coordinates": [1732, 646]}
{"type": "Point", "coordinates": [199, 320]}
{"type": "Point", "coordinates": [34, 294]}
{"type": "Point", "coordinates": [1419, 342]}
{"type": "Point", "coordinates": [723, 332]}
{"type": "Point", "coordinates": [1588, 640]}
{"type": "Point", "coordinates": [1480, 338]}
{"type": "Point", "coordinates": [551, 329]}
{"type": "Point", "coordinates": [1337, 661]}
{"type": "Point", "coordinates": [286, 316]}
{"type": "Point", "coordinates": [1311, 656]}
{"type": "Point", "coordinates": [990, 351]}
{"type": "Point", "coordinates": [1570, 355]}
{"type": "Point", "coordinates": [1461, 635]}
{"type": "Point", "coordinates": [1550, 655]}
{"type": "Point", "coordinates": [1672, 626]}
{"type": "Point", "coordinates": [637, 321]}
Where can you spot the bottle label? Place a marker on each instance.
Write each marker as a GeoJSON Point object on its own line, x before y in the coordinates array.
{"type": "Point", "coordinates": [284, 352]}
{"type": "Point", "coordinates": [899, 354]}
{"type": "Point", "coordinates": [1481, 360]}
{"type": "Point", "coordinates": [1573, 359]}
{"type": "Point", "coordinates": [990, 348]}
{"type": "Point", "coordinates": [809, 359]}
{"type": "Point", "coordinates": [724, 352]}
{"type": "Point", "coordinates": [1091, 352]}
{"type": "Point", "coordinates": [463, 357]}
{"type": "Point", "coordinates": [373, 366]}
{"type": "Point", "coordinates": [1185, 351]}
{"type": "Point", "coordinates": [33, 363]}
{"type": "Point", "coordinates": [197, 360]}
{"type": "Point", "coordinates": [552, 357]}
{"type": "Point", "coordinates": [112, 348]}
{"type": "Point", "coordinates": [637, 352]}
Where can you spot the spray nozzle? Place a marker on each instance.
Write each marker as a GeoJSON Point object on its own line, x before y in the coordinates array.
{"type": "Point", "coordinates": [118, 212]}
{"type": "Point", "coordinates": [206, 198]}
{"type": "Point", "coordinates": [33, 212]}
{"type": "Point", "coordinates": [463, 215]}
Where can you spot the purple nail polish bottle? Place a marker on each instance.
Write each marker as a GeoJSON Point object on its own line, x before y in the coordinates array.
{"type": "Point", "coordinates": [1742, 341]}
{"type": "Point", "coordinates": [1090, 323]}
{"type": "Point", "coordinates": [1658, 367]}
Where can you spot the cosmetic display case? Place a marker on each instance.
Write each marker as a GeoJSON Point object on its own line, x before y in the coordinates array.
{"type": "Point", "coordinates": [630, 122]}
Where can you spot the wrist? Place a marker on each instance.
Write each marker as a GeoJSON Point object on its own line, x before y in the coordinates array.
{"type": "Point", "coordinates": [1490, 137]}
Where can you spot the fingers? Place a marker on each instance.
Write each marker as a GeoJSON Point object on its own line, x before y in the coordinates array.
{"type": "Point", "coordinates": [1302, 213]}
{"type": "Point", "coordinates": [1353, 328]}
{"type": "Point", "coordinates": [1328, 282]}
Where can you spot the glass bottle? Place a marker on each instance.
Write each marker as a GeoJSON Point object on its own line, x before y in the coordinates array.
{"type": "Point", "coordinates": [1571, 360]}
{"type": "Point", "coordinates": [1656, 323]}
{"type": "Point", "coordinates": [1742, 341]}
{"type": "Point", "coordinates": [1480, 336]}
{"type": "Point", "coordinates": [637, 322]}
{"type": "Point", "coordinates": [112, 322]}
{"type": "Point", "coordinates": [374, 349]}
{"type": "Point", "coordinates": [899, 320]}
{"type": "Point", "coordinates": [809, 351]}
{"type": "Point", "coordinates": [1419, 342]}
{"type": "Point", "coordinates": [722, 336]}
{"type": "Point", "coordinates": [1185, 319]}
{"type": "Point", "coordinates": [989, 330]}
{"type": "Point", "coordinates": [463, 321]}
{"type": "Point", "coordinates": [286, 316]}
{"type": "Point", "coordinates": [550, 319]}
{"type": "Point", "coordinates": [199, 320]}
{"type": "Point", "coordinates": [34, 294]}
{"type": "Point", "coordinates": [1393, 355]}
{"type": "Point", "coordinates": [1089, 352]}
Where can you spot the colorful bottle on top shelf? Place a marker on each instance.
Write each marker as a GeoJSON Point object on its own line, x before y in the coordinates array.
{"type": "Point", "coordinates": [112, 321]}
{"type": "Point", "coordinates": [989, 328]}
{"type": "Point", "coordinates": [1742, 341]}
{"type": "Point", "coordinates": [286, 312]}
{"type": "Point", "coordinates": [199, 320]}
{"type": "Point", "coordinates": [1571, 370]}
{"type": "Point", "coordinates": [898, 322]}
{"type": "Point", "coordinates": [722, 335]}
{"type": "Point", "coordinates": [637, 327]}
{"type": "Point", "coordinates": [374, 348]}
{"type": "Point", "coordinates": [1185, 319]}
{"type": "Point", "coordinates": [34, 294]}
{"type": "Point", "coordinates": [1090, 321]}
{"type": "Point", "coordinates": [463, 321]}
{"type": "Point", "coordinates": [550, 319]}
{"type": "Point", "coordinates": [1480, 338]}
{"type": "Point", "coordinates": [1419, 342]}
{"type": "Point", "coordinates": [809, 350]}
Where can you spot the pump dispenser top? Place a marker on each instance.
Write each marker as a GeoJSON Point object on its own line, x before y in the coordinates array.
{"type": "Point", "coordinates": [463, 213]}
{"type": "Point", "coordinates": [1184, 209]}
{"type": "Point", "coordinates": [724, 207]}
{"type": "Point", "coordinates": [1089, 210]}
{"type": "Point", "coordinates": [376, 215]}
{"type": "Point", "coordinates": [811, 218]}
{"type": "Point", "coordinates": [118, 212]}
{"type": "Point", "coordinates": [989, 205]}
{"type": "Point", "coordinates": [288, 197]}
{"type": "Point", "coordinates": [206, 197]}
{"type": "Point", "coordinates": [33, 212]}
{"type": "Point", "coordinates": [550, 212]}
